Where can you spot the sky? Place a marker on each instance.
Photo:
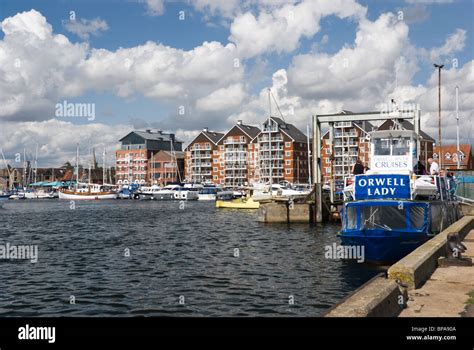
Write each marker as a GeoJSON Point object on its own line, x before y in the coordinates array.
{"type": "Point", "coordinates": [181, 66]}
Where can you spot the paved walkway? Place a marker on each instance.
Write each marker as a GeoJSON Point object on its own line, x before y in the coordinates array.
{"type": "Point", "coordinates": [445, 293]}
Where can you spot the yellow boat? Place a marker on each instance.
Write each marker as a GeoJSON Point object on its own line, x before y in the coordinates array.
{"type": "Point", "coordinates": [238, 203]}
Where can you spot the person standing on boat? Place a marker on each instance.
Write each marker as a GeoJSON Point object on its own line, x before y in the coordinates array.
{"type": "Point", "coordinates": [366, 167]}
{"type": "Point", "coordinates": [420, 168]}
{"type": "Point", "coordinates": [358, 167]}
{"type": "Point", "coordinates": [434, 167]}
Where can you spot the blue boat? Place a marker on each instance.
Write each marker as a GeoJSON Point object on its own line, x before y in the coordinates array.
{"type": "Point", "coordinates": [390, 211]}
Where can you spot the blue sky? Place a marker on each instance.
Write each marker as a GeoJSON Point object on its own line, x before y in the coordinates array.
{"type": "Point", "coordinates": [130, 24]}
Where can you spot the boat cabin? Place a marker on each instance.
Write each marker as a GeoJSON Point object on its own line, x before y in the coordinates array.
{"type": "Point", "coordinates": [393, 151]}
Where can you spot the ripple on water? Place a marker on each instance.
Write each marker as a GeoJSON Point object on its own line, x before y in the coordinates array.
{"type": "Point", "coordinates": [137, 258]}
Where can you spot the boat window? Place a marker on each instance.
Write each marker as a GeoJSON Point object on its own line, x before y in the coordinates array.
{"type": "Point", "coordinates": [382, 217]}
{"type": "Point", "coordinates": [351, 218]}
{"type": "Point", "coordinates": [417, 217]}
{"type": "Point", "coordinates": [401, 146]}
{"type": "Point", "coordinates": [382, 147]}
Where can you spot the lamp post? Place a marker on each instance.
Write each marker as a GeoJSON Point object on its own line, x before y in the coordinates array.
{"type": "Point", "coordinates": [458, 151]}
{"type": "Point", "coordinates": [440, 152]}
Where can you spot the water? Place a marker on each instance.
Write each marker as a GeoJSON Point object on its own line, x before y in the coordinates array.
{"type": "Point", "coordinates": [176, 255]}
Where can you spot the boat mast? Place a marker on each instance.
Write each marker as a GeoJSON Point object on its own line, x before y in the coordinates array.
{"type": "Point", "coordinates": [36, 162]}
{"type": "Point", "coordinates": [270, 138]}
{"type": "Point", "coordinates": [24, 167]}
{"type": "Point", "coordinates": [90, 163]}
{"type": "Point", "coordinates": [103, 167]}
{"type": "Point", "coordinates": [458, 150]}
{"type": "Point", "coordinates": [77, 165]}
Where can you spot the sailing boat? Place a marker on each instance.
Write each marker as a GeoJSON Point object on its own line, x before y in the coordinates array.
{"type": "Point", "coordinates": [88, 191]}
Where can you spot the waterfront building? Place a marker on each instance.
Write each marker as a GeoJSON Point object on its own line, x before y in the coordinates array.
{"type": "Point", "coordinates": [283, 153]}
{"type": "Point", "coordinates": [350, 142]}
{"type": "Point", "coordinates": [203, 158]}
{"type": "Point", "coordinates": [237, 164]}
{"type": "Point", "coordinates": [166, 167]}
{"type": "Point", "coordinates": [450, 156]}
{"type": "Point", "coordinates": [137, 147]}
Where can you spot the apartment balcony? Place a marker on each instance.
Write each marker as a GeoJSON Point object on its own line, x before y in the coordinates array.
{"type": "Point", "coordinates": [272, 139]}
{"type": "Point", "coordinates": [202, 156]}
{"type": "Point", "coordinates": [350, 134]}
{"type": "Point", "coordinates": [235, 142]}
{"type": "Point", "coordinates": [198, 149]}
{"type": "Point", "coordinates": [273, 157]}
{"type": "Point", "coordinates": [271, 129]}
{"type": "Point", "coordinates": [202, 165]}
{"type": "Point", "coordinates": [236, 167]}
{"type": "Point", "coordinates": [275, 148]}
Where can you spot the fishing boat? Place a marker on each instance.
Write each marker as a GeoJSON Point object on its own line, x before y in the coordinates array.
{"type": "Point", "coordinates": [228, 200]}
{"type": "Point", "coordinates": [389, 210]}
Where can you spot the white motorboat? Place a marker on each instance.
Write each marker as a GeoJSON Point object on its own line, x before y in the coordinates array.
{"type": "Point", "coordinates": [166, 193]}
{"type": "Point", "coordinates": [209, 193]}
{"type": "Point", "coordinates": [276, 191]}
{"type": "Point", "coordinates": [186, 194]}
{"type": "Point", "coordinates": [147, 192]}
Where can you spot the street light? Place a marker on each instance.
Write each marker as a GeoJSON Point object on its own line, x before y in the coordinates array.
{"type": "Point", "coordinates": [439, 66]}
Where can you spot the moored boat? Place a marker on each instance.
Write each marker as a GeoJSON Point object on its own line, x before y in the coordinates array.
{"type": "Point", "coordinates": [87, 192]}
{"type": "Point", "coordinates": [390, 211]}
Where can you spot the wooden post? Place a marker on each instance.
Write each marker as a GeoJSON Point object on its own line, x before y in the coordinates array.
{"type": "Point", "coordinates": [317, 169]}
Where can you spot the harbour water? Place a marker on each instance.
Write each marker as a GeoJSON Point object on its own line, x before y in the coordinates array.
{"type": "Point", "coordinates": [185, 259]}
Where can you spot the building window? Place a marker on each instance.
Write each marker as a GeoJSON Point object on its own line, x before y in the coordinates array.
{"type": "Point", "coordinates": [242, 138]}
{"type": "Point", "coordinates": [328, 170]}
{"type": "Point", "coordinates": [288, 162]}
{"type": "Point", "coordinates": [215, 177]}
{"type": "Point", "coordinates": [288, 154]}
{"type": "Point", "coordinates": [221, 147]}
{"type": "Point", "coordinates": [287, 144]}
{"type": "Point", "coordinates": [288, 171]}
{"type": "Point", "coordinates": [222, 164]}
{"type": "Point", "coordinates": [328, 150]}
{"type": "Point", "coordinates": [215, 169]}
{"type": "Point", "coordinates": [215, 160]}
{"type": "Point", "coordinates": [215, 152]}
{"type": "Point", "coordinates": [328, 161]}
{"type": "Point", "coordinates": [222, 172]}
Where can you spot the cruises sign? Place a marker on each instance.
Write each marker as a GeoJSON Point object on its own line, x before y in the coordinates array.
{"type": "Point", "coordinates": [391, 162]}
{"type": "Point", "coordinates": [382, 186]}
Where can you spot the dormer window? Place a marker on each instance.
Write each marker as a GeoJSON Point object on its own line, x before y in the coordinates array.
{"type": "Point", "coordinates": [435, 155]}
{"type": "Point", "coordinates": [447, 155]}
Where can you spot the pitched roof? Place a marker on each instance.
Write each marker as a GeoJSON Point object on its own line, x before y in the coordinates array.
{"type": "Point", "coordinates": [213, 136]}
{"type": "Point", "coordinates": [251, 131]}
{"type": "Point", "coordinates": [150, 135]}
{"type": "Point", "coordinates": [405, 125]}
{"type": "Point", "coordinates": [292, 131]}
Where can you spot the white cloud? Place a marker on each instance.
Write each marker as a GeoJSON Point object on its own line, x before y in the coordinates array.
{"type": "Point", "coordinates": [84, 28]}
{"type": "Point", "coordinates": [454, 43]}
{"type": "Point", "coordinates": [280, 30]}
{"type": "Point", "coordinates": [222, 99]}
{"type": "Point", "coordinates": [40, 68]}
{"type": "Point", "coordinates": [57, 140]}
{"type": "Point", "coordinates": [154, 7]}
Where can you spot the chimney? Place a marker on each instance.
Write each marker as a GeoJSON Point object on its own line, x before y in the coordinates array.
{"type": "Point", "coordinates": [239, 122]}
{"type": "Point", "coordinates": [205, 129]}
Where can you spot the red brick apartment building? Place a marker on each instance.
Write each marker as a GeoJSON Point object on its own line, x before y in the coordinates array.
{"type": "Point", "coordinates": [203, 158]}
{"type": "Point", "coordinates": [242, 155]}
{"type": "Point", "coordinates": [166, 167]}
{"type": "Point", "coordinates": [238, 162]}
{"type": "Point", "coordinates": [450, 156]}
{"type": "Point", "coordinates": [350, 142]}
{"type": "Point", "coordinates": [283, 153]}
{"type": "Point", "coordinates": [137, 147]}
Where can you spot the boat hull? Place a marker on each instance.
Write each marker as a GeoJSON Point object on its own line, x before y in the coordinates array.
{"type": "Point", "coordinates": [86, 196]}
{"type": "Point", "coordinates": [238, 204]}
{"type": "Point", "coordinates": [382, 247]}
